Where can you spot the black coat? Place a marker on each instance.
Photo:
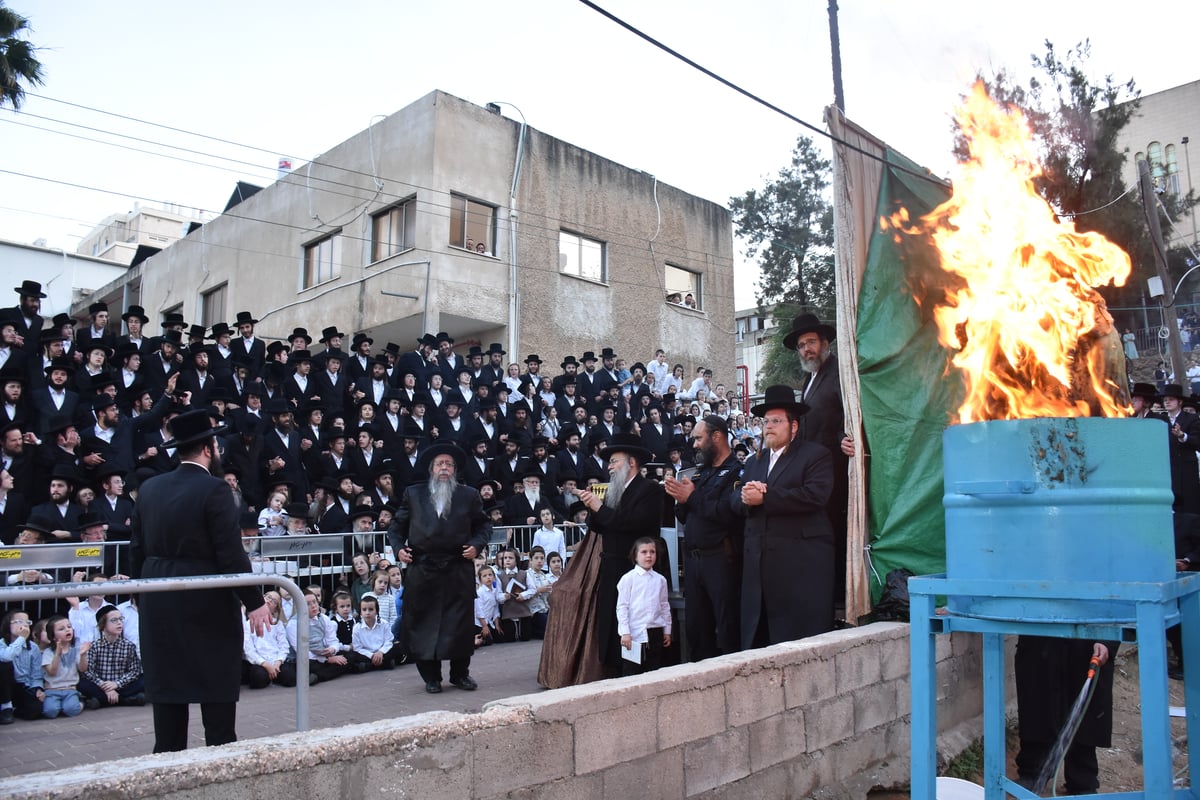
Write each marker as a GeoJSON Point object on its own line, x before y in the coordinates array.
{"type": "Point", "coordinates": [1185, 480]}
{"type": "Point", "coordinates": [439, 586]}
{"type": "Point", "coordinates": [185, 523]}
{"type": "Point", "coordinates": [639, 515]}
{"type": "Point", "coordinates": [787, 577]}
{"type": "Point", "coordinates": [1050, 673]}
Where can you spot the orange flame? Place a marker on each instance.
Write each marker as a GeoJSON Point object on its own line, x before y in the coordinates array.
{"type": "Point", "coordinates": [1025, 316]}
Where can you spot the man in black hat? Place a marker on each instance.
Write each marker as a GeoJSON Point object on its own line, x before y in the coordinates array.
{"type": "Point", "coordinates": [787, 580]}
{"type": "Point", "coordinates": [1143, 397]}
{"type": "Point", "coordinates": [61, 508]}
{"type": "Point", "coordinates": [331, 337]}
{"type": "Point", "coordinates": [441, 527]}
{"type": "Point", "coordinates": [333, 388]}
{"type": "Point", "coordinates": [55, 397]}
{"type": "Point", "coordinates": [712, 547]}
{"type": "Point", "coordinates": [493, 371]}
{"type": "Point", "coordinates": [163, 364]}
{"type": "Point", "coordinates": [524, 507]}
{"type": "Point", "coordinates": [26, 313]}
{"type": "Point", "coordinates": [420, 362]}
{"type": "Point", "coordinates": [825, 424]}
{"type": "Point", "coordinates": [192, 641]}
{"type": "Point", "coordinates": [449, 362]}
{"type": "Point", "coordinates": [1182, 443]}
{"type": "Point", "coordinates": [631, 509]}
{"type": "Point", "coordinates": [281, 451]}
{"type": "Point", "coordinates": [247, 344]}
{"type": "Point", "coordinates": [359, 363]}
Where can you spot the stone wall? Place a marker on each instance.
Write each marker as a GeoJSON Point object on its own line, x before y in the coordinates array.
{"type": "Point", "coordinates": [827, 716]}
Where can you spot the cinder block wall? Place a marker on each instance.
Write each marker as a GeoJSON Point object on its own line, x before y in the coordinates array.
{"type": "Point", "coordinates": [827, 716]}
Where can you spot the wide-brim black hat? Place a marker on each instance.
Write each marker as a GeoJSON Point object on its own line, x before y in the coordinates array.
{"type": "Point", "coordinates": [30, 289]}
{"type": "Point", "coordinates": [192, 427]}
{"type": "Point", "coordinates": [136, 312]}
{"type": "Point", "coordinates": [627, 443]}
{"type": "Point", "coordinates": [779, 396]}
{"type": "Point", "coordinates": [439, 449]}
{"type": "Point", "coordinates": [1146, 390]}
{"type": "Point", "coordinates": [807, 323]}
{"type": "Point", "coordinates": [364, 511]}
{"type": "Point", "coordinates": [1173, 390]}
{"type": "Point", "coordinates": [245, 317]}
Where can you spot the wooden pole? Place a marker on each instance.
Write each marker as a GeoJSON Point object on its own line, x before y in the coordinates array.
{"type": "Point", "coordinates": [835, 46]}
{"type": "Point", "coordinates": [1170, 317]}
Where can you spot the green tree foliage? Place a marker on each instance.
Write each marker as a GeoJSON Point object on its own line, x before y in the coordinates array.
{"type": "Point", "coordinates": [19, 65]}
{"type": "Point", "coordinates": [788, 228]}
{"type": "Point", "coordinates": [1077, 122]}
{"type": "Point", "coordinates": [779, 364]}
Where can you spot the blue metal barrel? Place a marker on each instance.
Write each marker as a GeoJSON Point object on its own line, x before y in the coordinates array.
{"type": "Point", "coordinates": [1057, 501]}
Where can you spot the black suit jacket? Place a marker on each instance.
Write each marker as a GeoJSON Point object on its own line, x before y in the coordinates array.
{"type": "Point", "coordinates": [185, 523]}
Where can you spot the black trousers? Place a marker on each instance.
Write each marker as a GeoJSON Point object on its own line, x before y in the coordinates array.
{"type": "Point", "coordinates": [1081, 771]}
{"type": "Point", "coordinates": [171, 725]}
{"type": "Point", "coordinates": [256, 677]}
{"type": "Point", "coordinates": [431, 671]}
{"type": "Point", "coordinates": [653, 654]}
{"type": "Point", "coordinates": [712, 589]}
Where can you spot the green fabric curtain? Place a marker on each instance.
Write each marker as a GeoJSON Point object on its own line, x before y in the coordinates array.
{"type": "Point", "coordinates": [908, 393]}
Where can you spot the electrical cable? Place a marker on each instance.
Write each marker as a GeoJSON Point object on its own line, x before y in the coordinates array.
{"type": "Point", "coordinates": [751, 96]}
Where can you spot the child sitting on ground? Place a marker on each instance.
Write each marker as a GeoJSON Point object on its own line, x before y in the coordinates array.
{"type": "Point", "coordinates": [643, 612]}
{"type": "Point", "coordinates": [21, 692]}
{"type": "Point", "coordinates": [114, 671]}
{"type": "Point", "coordinates": [62, 662]}
{"type": "Point", "coordinates": [265, 659]}
{"type": "Point", "coordinates": [323, 658]}
{"type": "Point", "coordinates": [372, 638]}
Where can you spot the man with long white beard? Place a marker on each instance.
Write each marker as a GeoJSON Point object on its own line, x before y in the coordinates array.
{"type": "Point", "coordinates": [524, 508]}
{"type": "Point", "coordinates": [440, 526]}
{"type": "Point", "coordinates": [631, 509]}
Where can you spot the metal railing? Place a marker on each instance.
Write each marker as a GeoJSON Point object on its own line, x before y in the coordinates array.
{"type": "Point", "coordinates": [145, 585]}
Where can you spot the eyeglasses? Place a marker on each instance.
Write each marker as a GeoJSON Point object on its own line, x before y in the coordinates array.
{"type": "Point", "coordinates": [117, 618]}
{"type": "Point", "coordinates": [18, 622]}
{"type": "Point", "coordinates": [775, 421]}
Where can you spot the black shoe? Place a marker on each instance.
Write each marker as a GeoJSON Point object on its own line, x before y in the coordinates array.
{"type": "Point", "coordinates": [433, 687]}
{"type": "Point", "coordinates": [465, 682]}
{"type": "Point", "coordinates": [360, 668]}
{"type": "Point", "coordinates": [91, 704]}
{"type": "Point", "coordinates": [313, 679]}
{"type": "Point", "coordinates": [6, 716]}
{"type": "Point", "coordinates": [138, 699]}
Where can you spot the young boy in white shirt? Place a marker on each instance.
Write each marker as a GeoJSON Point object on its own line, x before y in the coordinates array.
{"type": "Point", "coordinates": [643, 612]}
{"type": "Point", "coordinates": [372, 638]}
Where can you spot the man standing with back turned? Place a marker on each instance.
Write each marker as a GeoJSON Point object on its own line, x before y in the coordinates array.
{"type": "Point", "coordinates": [186, 524]}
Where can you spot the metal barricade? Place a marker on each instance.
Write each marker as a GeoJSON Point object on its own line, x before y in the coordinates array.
{"type": "Point", "coordinates": [520, 537]}
{"type": "Point", "coordinates": [145, 585]}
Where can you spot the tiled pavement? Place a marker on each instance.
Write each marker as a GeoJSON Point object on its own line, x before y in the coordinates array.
{"type": "Point", "coordinates": [502, 671]}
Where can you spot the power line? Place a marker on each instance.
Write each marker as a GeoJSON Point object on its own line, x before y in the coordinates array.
{"type": "Point", "coordinates": [751, 96]}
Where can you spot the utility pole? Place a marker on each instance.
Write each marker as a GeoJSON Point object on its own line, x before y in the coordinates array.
{"type": "Point", "coordinates": [835, 45]}
{"type": "Point", "coordinates": [1188, 160]}
{"type": "Point", "coordinates": [1170, 318]}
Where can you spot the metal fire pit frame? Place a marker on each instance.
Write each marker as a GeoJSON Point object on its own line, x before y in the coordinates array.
{"type": "Point", "coordinates": [1158, 606]}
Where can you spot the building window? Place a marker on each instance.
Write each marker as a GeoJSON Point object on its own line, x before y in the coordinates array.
{"type": "Point", "coordinates": [212, 306]}
{"type": "Point", "coordinates": [392, 230]}
{"type": "Point", "coordinates": [1173, 185]}
{"type": "Point", "coordinates": [581, 256]}
{"type": "Point", "coordinates": [322, 260]}
{"type": "Point", "coordinates": [472, 225]}
{"type": "Point", "coordinates": [684, 287]}
{"type": "Point", "coordinates": [1155, 158]}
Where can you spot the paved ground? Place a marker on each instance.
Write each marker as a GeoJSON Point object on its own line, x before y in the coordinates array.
{"type": "Point", "coordinates": [501, 670]}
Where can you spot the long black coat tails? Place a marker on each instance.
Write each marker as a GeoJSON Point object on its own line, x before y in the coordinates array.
{"type": "Point", "coordinates": [439, 586]}
{"type": "Point", "coordinates": [787, 575]}
{"type": "Point", "coordinates": [185, 524]}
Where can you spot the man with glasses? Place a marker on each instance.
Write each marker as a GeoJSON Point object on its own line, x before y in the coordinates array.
{"type": "Point", "coordinates": [787, 576]}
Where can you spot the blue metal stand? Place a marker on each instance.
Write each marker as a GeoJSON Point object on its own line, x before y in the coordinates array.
{"type": "Point", "coordinates": [1152, 607]}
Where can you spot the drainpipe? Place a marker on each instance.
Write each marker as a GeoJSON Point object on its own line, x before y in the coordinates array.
{"type": "Point", "coordinates": [514, 302]}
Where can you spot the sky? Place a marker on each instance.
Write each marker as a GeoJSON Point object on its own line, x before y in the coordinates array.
{"type": "Point", "coordinates": [297, 78]}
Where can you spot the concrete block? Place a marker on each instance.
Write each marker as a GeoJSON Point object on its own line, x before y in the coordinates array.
{"type": "Point", "coordinates": [857, 667]}
{"type": "Point", "coordinates": [611, 737]}
{"type": "Point", "coordinates": [754, 696]}
{"type": "Point", "coordinates": [687, 716]}
{"type": "Point", "coordinates": [496, 750]}
{"type": "Point", "coordinates": [874, 705]}
{"type": "Point", "coordinates": [718, 760]}
{"type": "Point", "coordinates": [771, 782]}
{"type": "Point", "coordinates": [808, 773]}
{"type": "Point", "coordinates": [894, 658]}
{"type": "Point", "coordinates": [809, 682]}
{"type": "Point", "coordinates": [585, 787]}
{"type": "Point", "coordinates": [943, 646]}
{"type": "Point", "coordinates": [829, 722]}
{"type": "Point", "coordinates": [777, 739]}
{"type": "Point", "coordinates": [856, 755]}
{"type": "Point", "coordinates": [903, 696]}
{"type": "Point", "coordinates": [440, 768]}
{"type": "Point", "coordinates": [572, 702]}
{"type": "Point", "coordinates": [946, 677]}
{"type": "Point", "coordinates": [655, 775]}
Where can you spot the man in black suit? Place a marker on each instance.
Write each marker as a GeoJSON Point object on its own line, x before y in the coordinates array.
{"type": "Point", "coordinates": [1183, 441]}
{"type": "Point", "coordinates": [524, 507]}
{"type": "Point", "coordinates": [787, 578]}
{"type": "Point", "coordinates": [824, 423]}
{"type": "Point", "coordinates": [247, 344]}
{"type": "Point", "coordinates": [420, 362]}
{"type": "Point", "coordinates": [97, 331]}
{"type": "Point", "coordinates": [55, 398]}
{"type": "Point", "coordinates": [440, 527]}
{"type": "Point", "coordinates": [281, 453]}
{"type": "Point", "coordinates": [631, 509]}
{"type": "Point", "coordinates": [26, 313]}
{"type": "Point", "coordinates": [185, 524]}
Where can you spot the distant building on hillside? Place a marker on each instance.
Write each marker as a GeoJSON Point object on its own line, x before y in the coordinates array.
{"type": "Point", "coordinates": [119, 237]}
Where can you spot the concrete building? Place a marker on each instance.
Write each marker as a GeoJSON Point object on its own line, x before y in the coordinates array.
{"type": "Point", "coordinates": [754, 330]}
{"type": "Point", "coordinates": [447, 216]}
{"type": "Point", "coordinates": [1161, 134]}
{"type": "Point", "coordinates": [119, 237]}
{"type": "Point", "coordinates": [67, 279]}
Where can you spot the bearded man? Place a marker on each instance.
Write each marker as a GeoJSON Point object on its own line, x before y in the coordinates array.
{"type": "Point", "coordinates": [440, 527]}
